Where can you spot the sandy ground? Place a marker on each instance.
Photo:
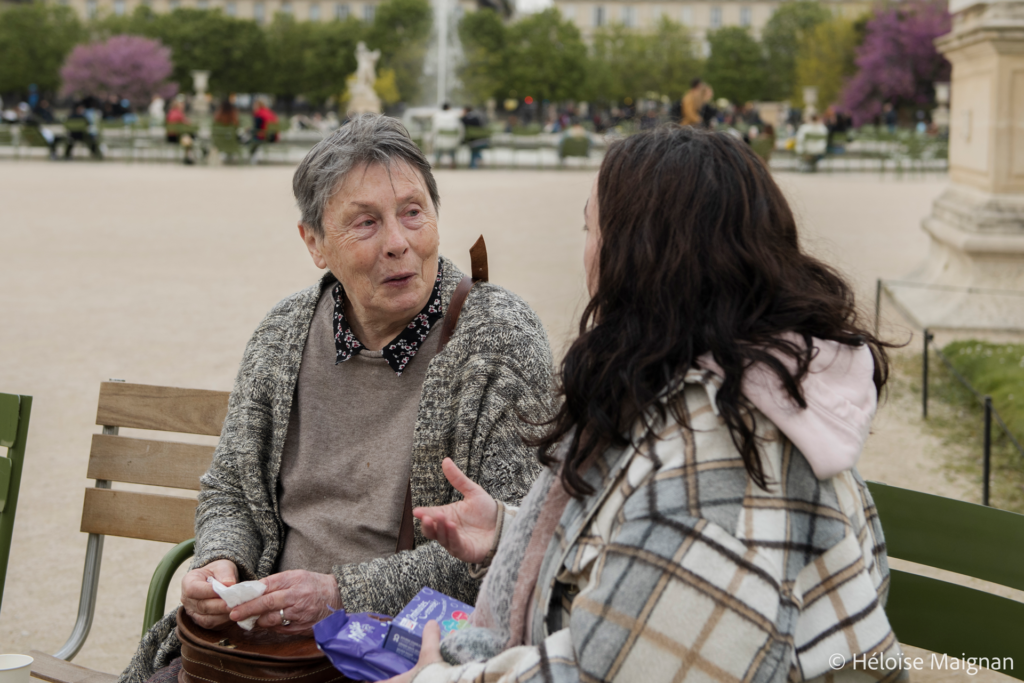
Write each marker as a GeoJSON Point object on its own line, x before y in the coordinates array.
{"type": "Point", "coordinates": [158, 274]}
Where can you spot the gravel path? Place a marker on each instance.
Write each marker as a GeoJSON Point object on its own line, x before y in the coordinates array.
{"type": "Point", "coordinates": [158, 274]}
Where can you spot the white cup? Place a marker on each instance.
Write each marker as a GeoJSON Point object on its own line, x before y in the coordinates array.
{"type": "Point", "coordinates": [15, 668]}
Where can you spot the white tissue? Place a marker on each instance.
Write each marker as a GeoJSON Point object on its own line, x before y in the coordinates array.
{"type": "Point", "coordinates": [237, 594]}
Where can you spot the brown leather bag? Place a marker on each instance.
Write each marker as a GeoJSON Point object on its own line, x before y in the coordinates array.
{"type": "Point", "coordinates": [233, 655]}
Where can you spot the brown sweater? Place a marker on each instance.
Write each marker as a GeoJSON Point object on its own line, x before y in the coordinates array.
{"type": "Point", "coordinates": [347, 458]}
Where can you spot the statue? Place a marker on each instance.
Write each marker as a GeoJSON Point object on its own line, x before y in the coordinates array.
{"type": "Point", "coordinates": [363, 98]}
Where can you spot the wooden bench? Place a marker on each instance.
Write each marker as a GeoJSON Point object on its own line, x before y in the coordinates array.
{"type": "Point", "coordinates": [132, 514]}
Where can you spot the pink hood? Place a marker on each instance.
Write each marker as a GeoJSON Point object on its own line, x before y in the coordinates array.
{"type": "Point", "coordinates": [841, 401]}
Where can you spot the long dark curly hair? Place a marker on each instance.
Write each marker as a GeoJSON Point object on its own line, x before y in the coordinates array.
{"type": "Point", "coordinates": [698, 252]}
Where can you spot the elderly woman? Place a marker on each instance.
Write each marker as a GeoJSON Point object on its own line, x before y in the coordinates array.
{"type": "Point", "coordinates": [700, 518]}
{"type": "Point", "coordinates": [343, 403]}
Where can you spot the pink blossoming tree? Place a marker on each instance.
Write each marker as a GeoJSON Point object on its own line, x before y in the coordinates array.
{"type": "Point", "coordinates": [898, 62]}
{"type": "Point", "coordinates": [127, 66]}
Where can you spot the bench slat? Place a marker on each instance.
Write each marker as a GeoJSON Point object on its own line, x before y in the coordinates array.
{"type": "Point", "coordinates": [145, 461]}
{"type": "Point", "coordinates": [168, 409]}
{"type": "Point", "coordinates": [49, 668]}
{"type": "Point", "coordinates": [138, 515]}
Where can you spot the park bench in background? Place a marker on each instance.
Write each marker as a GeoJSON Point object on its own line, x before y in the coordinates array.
{"type": "Point", "coordinates": [14, 415]}
{"type": "Point", "coordinates": [570, 146]}
{"type": "Point", "coordinates": [131, 514]}
{"type": "Point", "coordinates": [968, 539]}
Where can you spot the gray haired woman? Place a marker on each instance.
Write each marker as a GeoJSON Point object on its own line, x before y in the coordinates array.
{"type": "Point", "coordinates": [343, 403]}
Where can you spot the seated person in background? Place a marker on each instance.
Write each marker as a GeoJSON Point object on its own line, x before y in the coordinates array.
{"type": "Point", "coordinates": [176, 130]}
{"type": "Point", "coordinates": [79, 130]}
{"type": "Point", "coordinates": [264, 126]}
{"type": "Point", "coordinates": [226, 114]}
{"type": "Point", "coordinates": [699, 518]}
{"type": "Point", "coordinates": [343, 406]}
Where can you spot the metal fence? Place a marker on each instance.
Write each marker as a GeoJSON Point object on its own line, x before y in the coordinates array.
{"type": "Point", "coordinates": [984, 400]}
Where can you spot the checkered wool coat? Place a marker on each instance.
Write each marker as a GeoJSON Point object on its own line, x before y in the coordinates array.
{"type": "Point", "coordinates": [679, 568]}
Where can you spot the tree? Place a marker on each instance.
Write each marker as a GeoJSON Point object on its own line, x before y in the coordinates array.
{"type": "Point", "coordinates": [400, 30]}
{"type": "Point", "coordinates": [736, 66]}
{"type": "Point", "coordinates": [898, 62]}
{"type": "Point", "coordinates": [789, 27]}
{"type": "Point", "coordinates": [127, 66]}
{"type": "Point", "coordinates": [630, 63]}
{"type": "Point", "coordinates": [547, 58]}
{"type": "Point", "coordinates": [35, 39]}
{"type": "Point", "coordinates": [484, 69]}
{"type": "Point", "coordinates": [826, 60]}
{"type": "Point", "coordinates": [233, 50]}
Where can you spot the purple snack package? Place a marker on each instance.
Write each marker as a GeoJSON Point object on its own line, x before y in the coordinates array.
{"type": "Point", "coordinates": [355, 645]}
{"type": "Point", "coordinates": [406, 633]}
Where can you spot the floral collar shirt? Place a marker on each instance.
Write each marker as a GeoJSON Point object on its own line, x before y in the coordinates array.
{"type": "Point", "coordinates": [400, 351]}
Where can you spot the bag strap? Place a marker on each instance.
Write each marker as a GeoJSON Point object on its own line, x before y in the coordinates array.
{"type": "Point", "coordinates": [478, 268]}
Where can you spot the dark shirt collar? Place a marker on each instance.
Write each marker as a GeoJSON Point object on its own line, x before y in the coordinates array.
{"type": "Point", "coordinates": [401, 350]}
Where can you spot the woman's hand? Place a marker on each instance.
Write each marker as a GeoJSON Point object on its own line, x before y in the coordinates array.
{"type": "Point", "coordinates": [201, 603]}
{"type": "Point", "coordinates": [430, 653]}
{"type": "Point", "coordinates": [466, 528]}
{"type": "Point", "coordinates": [303, 596]}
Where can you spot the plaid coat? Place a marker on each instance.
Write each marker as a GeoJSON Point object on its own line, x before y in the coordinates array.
{"type": "Point", "coordinates": [679, 568]}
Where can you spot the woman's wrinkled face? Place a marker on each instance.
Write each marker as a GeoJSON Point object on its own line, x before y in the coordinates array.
{"type": "Point", "coordinates": [380, 240]}
{"type": "Point", "coordinates": [592, 248]}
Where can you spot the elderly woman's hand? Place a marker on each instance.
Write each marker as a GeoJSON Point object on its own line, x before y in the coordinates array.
{"type": "Point", "coordinates": [201, 603]}
{"type": "Point", "coordinates": [299, 597]}
{"type": "Point", "coordinates": [465, 528]}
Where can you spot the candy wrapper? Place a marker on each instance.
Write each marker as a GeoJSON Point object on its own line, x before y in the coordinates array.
{"type": "Point", "coordinates": [406, 634]}
{"type": "Point", "coordinates": [355, 645]}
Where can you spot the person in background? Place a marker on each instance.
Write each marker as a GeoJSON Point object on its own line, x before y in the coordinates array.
{"type": "Point", "coordinates": [44, 112]}
{"type": "Point", "coordinates": [693, 101]}
{"type": "Point", "coordinates": [226, 114]}
{"type": "Point", "coordinates": [79, 130]}
{"type": "Point", "coordinates": [178, 131]}
{"type": "Point", "coordinates": [478, 136]}
{"type": "Point", "coordinates": [708, 111]}
{"type": "Point", "coordinates": [448, 133]}
{"type": "Point", "coordinates": [264, 127]}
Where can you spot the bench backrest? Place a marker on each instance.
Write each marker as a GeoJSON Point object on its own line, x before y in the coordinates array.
{"type": "Point", "coordinates": [968, 539]}
{"type": "Point", "coordinates": [154, 462]}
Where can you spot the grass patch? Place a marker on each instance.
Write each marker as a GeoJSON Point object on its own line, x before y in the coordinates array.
{"type": "Point", "coordinates": [957, 416]}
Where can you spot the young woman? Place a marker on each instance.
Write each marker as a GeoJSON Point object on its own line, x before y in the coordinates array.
{"type": "Point", "coordinates": [699, 517]}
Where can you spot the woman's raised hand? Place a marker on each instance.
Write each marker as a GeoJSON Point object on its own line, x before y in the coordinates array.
{"type": "Point", "coordinates": [465, 528]}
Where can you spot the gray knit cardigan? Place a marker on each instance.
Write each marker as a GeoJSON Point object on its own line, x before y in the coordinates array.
{"type": "Point", "coordinates": [495, 371]}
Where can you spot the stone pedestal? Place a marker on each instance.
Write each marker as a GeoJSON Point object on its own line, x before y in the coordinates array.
{"type": "Point", "coordinates": [977, 224]}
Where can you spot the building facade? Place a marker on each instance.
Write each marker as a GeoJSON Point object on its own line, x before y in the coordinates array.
{"type": "Point", "coordinates": [701, 16]}
{"type": "Point", "coordinates": [261, 11]}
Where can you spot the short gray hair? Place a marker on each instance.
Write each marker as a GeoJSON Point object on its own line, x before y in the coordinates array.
{"type": "Point", "coordinates": [365, 139]}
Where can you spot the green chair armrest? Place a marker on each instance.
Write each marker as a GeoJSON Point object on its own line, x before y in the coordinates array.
{"type": "Point", "coordinates": [157, 597]}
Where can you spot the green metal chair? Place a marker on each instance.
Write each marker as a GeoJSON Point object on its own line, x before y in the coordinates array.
{"type": "Point", "coordinates": [973, 540]}
{"type": "Point", "coordinates": [225, 140]}
{"type": "Point", "coordinates": [14, 414]}
{"type": "Point", "coordinates": [570, 146]}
